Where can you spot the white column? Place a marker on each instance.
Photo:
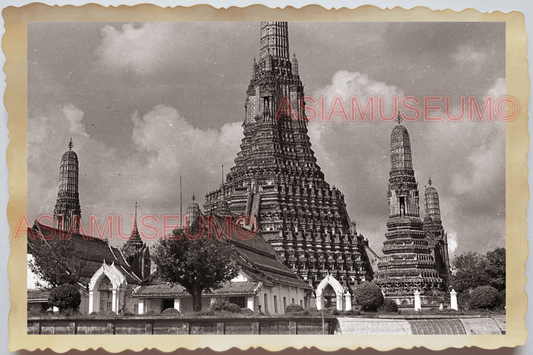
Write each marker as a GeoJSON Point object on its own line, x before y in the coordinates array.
{"type": "Point", "coordinates": [348, 299]}
{"type": "Point", "coordinates": [418, 306]}
{"type": "Point", "coordinates": [141, 306]}
{"type": "Point", "coordinates": [91, 300]}
{"type": "Point", "coordinates": [319, 301]}
{"type": "Point", "coordinates": [339, 301]}
{"type": "Point", "coordinates": [250, 302]}
{"type": "Point", "coordinates": [453, 300]}
{"type": "Point", "coordinates": [177, 304]}
{"type": "Point", "coordinates": [114, 304]}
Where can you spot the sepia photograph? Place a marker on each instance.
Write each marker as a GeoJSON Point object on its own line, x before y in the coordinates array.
{"type": "Point", "coordinates": [296, 178]}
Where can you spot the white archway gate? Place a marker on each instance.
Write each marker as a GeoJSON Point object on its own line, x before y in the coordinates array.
{"type": "Point", "coordinates": [118, 281]}
{"type": "Point", "coordinates": [339, 293]}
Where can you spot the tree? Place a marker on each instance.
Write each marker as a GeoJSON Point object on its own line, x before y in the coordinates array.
{"type": "Point", "coordinates": [55, 261]}
{"type": "Point", "coordinates": [369, 296]}
{"type": "Point", "coordinates": [495, 268]}
{"type": "Point", "coordinates": [197, 265]}
{"type": "Point", "coordinates": [65, 297]}
{"type": "Point", "coordinates": [473, 270]}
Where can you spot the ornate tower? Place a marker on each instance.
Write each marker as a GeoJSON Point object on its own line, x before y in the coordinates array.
{"type": "Point", "coordinates": [408, 264]}
{"type": "Point", "coordinates": [136, 252]}
{"type": "Point", "coordinates": [438, 239]}
{"type": "Point", "coordinates": [67, 209]}
{"type": "Point", "coordinates": [277, 180]}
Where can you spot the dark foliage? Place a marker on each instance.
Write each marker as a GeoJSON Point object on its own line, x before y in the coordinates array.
{"type": "Point", "coordinates": [368, 295]}
{"type": "Point", "coordinates": [55, 261]}
{"type": "Point", "coordinates": [223, 306]}
{"type": "Point", "coordinates": [389, 306]}
{"type": "Point", "coordinates": [496, 268]}
{"type": "Point", "coordinates": [65, 297]}
{"type": "Point", "coordinates": [197, 265]}
{"type": "Point", "coordinates": [248, 311]}
{"type": "Point", "coordinates": [484, 297]}
{"type": "Point", "coordinates": [473, 270]}
{"type": "Point", "coordinates": [294, 308]}
{"type": "Point", "coordinates": [206, 312]}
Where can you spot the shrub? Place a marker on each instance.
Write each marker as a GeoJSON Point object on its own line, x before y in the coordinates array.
{"type": "Point", "coordinates": [126, 313]}
{"type": "Point", "coordinates": [233, 308]}
{"type": "Point", "coordinates": [486, 297]}
{"type": "Point", "coordinates": [206, 312]}
{"type": "Point", "coordinates": [64, 297]}
{"type": "Point", "coordinates": [335, 312]}
{"type": "Point", "coordinates": [171, 312]}
{"type": "Point", "coordinates": [294, 308]}
{"type": "Point", "coordinates": [502, 298]}
{"type": "Point", "coordinates": [389, 306]}
{"type": "Point", "coordinates": [69, 312]}
{"type": "Point", "coordinates": [368, 295]}
{"type": "Point", "coordinates": [248, 311]}
{"type": "Point", "coordinates": [152, 313]}
{"type": "Point", "coordinates": [223, 306]}
{"type": "Point", "coordinates": [463, 301]}
{"type": "Point", "coordinates": [219, 306]}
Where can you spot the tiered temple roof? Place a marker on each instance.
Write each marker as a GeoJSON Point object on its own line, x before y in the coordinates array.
{"type": "Point", "coordinates": [408, 264]}
{"type": "Point", "coordinates": [254, 256]}
{"type": "Point", "coordinates": [276, 178]}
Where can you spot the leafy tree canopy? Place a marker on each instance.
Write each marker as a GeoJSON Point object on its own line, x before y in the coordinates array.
{"type": "Point", "coordinates": [55, 261]}
{"type": "Point", "coordinates": [197, 265]}
{"type": "Point", "coordinates": [473, 270]}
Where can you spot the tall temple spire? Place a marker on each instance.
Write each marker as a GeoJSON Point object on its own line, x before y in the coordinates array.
{"type": "Point", "coordinates": [274, 41]}
{"type": "Point", "coordinates": [408, 264]}
{"type": "Point", "coordinates": [431, 202]}
{"type": "Point", "coordinates": [276, 178]}
{"type": "Point", "coordinates": [400, 148]}
{"type": "Point", "coordinates": [67, 209]}
{"type": "Point", "coordinates": [135, 238]}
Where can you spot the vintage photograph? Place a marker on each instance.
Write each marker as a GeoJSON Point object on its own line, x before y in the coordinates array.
{"type": "Point", "coordinates": [267, 178]}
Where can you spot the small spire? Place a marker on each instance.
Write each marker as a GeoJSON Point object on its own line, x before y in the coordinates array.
{"type": "Point", "coordinates": [399, 118]}
{"type": "Point", "coordinates": [429, 181]}
{"type": "Point", "coordinates": [70, 144]}
{"type": "Point", "coordinates": [193, 197]}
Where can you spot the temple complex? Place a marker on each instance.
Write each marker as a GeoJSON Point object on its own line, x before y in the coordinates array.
{"type": "Point", "coordinates": [277, 181]}
{"type": "Point", "coordinates": [67, 209]}
{"type": "Point", "coordinates": [409, 262]}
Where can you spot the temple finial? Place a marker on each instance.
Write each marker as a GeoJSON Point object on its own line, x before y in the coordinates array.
{"type": "Point", "coordinates": [399, 118]}
{"type": "Point", "coordinates": [193, 197]}
{"type": "Point", "coordinates": [430, 182]}
{"type": "Point", "coordinates": [70, 144]}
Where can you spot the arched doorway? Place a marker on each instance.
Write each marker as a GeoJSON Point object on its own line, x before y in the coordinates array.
{"type": "Point", "coordinates": [329, 292]}
{"type": "Point", "coordinates": [106, 289]}
{"type": "Point", "coordinates": [330, 298]}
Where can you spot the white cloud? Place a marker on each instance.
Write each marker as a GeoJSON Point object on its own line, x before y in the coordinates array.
{"type": "Point", "coordinates": [452, 243]}
{"type": "Point", "coordinates": [74, 115]}
{"type": "Point", "coordinates": [111, 179]}
{"type": "Point", "coordinates": [466, 55]}
{"type": "Point", "coordinates": [141, 49]}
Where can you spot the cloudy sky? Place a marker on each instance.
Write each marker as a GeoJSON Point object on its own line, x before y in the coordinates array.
{"type": "Point", "coordinates": [147, 102]}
